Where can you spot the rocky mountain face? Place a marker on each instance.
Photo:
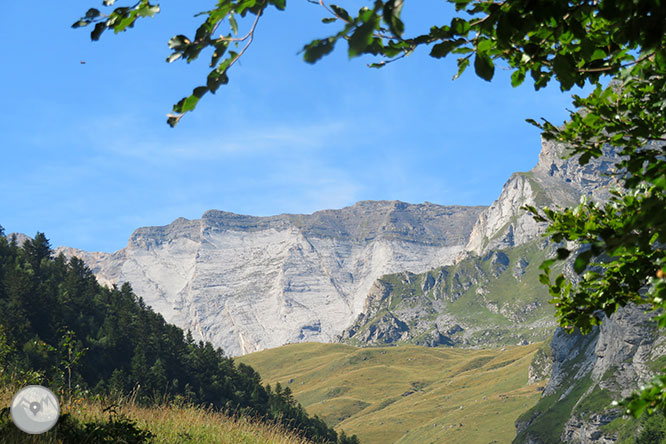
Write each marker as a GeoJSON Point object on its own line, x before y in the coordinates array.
{"type": "Point", "coordinates": [19, 238]}
{"type": "Point", "coordinates": [588, 372]}
{"type": "Point", "coordinates": [248, 283]}
{"type": "Point", "coordinates": [491, 295]}
{"type": "Point", "coordinates": [490, 300]}
{"type": "Point", "coordinates": [553, 182]}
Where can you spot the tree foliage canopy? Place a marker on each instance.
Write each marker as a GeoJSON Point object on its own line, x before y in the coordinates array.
{"type": "Point", "coordinates": [620, 255]}
{"type": "Point", "coordinates": [571, 41]}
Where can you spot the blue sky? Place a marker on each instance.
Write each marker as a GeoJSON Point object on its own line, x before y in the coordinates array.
{"type": "Point", "coordinates": [87, 156]}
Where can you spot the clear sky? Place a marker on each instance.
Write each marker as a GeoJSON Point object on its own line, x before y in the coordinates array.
{"type": "Point", "coordinates": [87, 156]}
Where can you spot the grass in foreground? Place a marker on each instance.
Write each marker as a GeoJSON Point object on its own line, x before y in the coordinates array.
{"type": "Point", "coordinates": [407, 394]}
{"type": "Point", "coordinates": [94, 422]}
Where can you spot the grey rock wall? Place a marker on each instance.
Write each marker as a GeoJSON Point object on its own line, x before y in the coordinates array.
{"type": "Point", "coordinates": [554, 181]}
{"type": "Point", "coordinates": [590, 371]}
{"type": "Point", "coordinates": [249, 283]}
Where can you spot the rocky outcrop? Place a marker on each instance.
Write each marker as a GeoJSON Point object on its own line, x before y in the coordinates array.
{"type": "Point", "coordinates": [19, 238]}
{"type": "Point", "coordinates": [496, 276]}
{"type": "Point", "coordinates": [588, 372]}
{"type": "Point", "coordinates": [554, 181]}
{"type": "Point", "coordinates": [248, 283]}
{"type": "Point", "coordinates": [477, 302]}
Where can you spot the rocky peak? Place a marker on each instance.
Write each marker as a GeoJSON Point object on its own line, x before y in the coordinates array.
{"type": "Point", "coordinates": [553, 182]}
{"type": "Point", "coordinates": [20, 237]}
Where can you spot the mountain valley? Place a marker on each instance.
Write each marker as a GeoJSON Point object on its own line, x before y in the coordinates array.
{"type": "Point", "coordinates": [380, 274]}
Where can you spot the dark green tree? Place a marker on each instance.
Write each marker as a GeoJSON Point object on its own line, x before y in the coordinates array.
{"type": "Point", "coordinates": [117, 384]}
{"type": "Point", "coordinates": [110, 342]}
{"type": "Point", "coordinates": [37, 250]}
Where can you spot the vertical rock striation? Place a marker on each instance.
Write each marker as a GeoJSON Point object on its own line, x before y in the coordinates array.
{"type": "Point", "coordinates": [248, 283]}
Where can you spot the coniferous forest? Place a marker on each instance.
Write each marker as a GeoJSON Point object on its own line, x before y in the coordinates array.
{"type": "Point", "coordinates": [64, 330]}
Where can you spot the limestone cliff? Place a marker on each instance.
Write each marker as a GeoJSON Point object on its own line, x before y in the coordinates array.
{"type": "Point", "coordinates": [480, 301]}
{"type": "Point", "coordinates": [493, 295]}
{"type": "Point", "coordinates": [248, 283]}
{"type": "Point", "coordinates": [553, 182]}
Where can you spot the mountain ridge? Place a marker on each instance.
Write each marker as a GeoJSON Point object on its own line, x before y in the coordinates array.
{"type": "Point", "coordinates": [250, 282]}
{"type": "Point", "coordinates": [554, 181]}
{"type": "Point", "coordinates": [495, 277]}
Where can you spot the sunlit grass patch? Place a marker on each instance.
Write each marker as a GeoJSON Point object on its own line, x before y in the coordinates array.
{"type": "Point", "coordinates": [164, 424]}
{"type": "Point", "coordinates": [407, 394]}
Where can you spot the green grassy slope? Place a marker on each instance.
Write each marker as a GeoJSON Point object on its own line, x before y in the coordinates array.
{"type": "Point", "coordinates": [407, 394]}
{"type": "Point", "coordinates": [493, 300]}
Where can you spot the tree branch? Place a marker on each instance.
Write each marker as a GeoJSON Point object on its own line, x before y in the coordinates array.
{"type": "Point", "coordinates": [608, 68]}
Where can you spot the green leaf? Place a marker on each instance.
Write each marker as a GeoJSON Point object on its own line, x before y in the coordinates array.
{"type": "Point", "coordinates": [92, 13]}
{"type": "Point", "coordinates": [97, 32]}
{"type": "Point", "coordinates": [391, 15]}
{"type": "Point", "coordinates": [442, 49]}
{"type": "Point", "coordinates": [108, 2]}
{"type": "Point", "coordinates": [125, 22]}
{"type": "Point", "coordinates": [460, 26]}
{"type": "Point", "coordinates": [148, 10]}
{"type": "Point", "coordinates": [361, 38]}
{"type": "Point", "coordinates": [233, 23]}
{"type": "Point", "coordinates": [329, 20]}
{"type": "Point", "coordinates": [546, 264]}
{"type": "Point", "coordinates": [216, 78]}
{"type": "Point", "coordinates": [660, 59]}
{"type": "Point", "coordinates": [591, 275]}
{"type": "Point", "coordinates": [582, 261]}
{"type": "Point", "coordinates": [559, 281]}
{"type": "Point", "coordinates": [173, 57]}
{"type": "Point", "coordinates": [562, 253]}
{"type": "Point", "coordinates": [172, 120]}
{"type": "Point", "coordinates": [586, 48]}
{"type": "Point", "coordinates": [279, 4]}
{"type": "Point", "coordinates": [81, 23]}
{"type": "Point", "coordinates": [190, 102]}
{"type": "Point", "coordinates": [462, 66]}
{"type": "Point", "coordinates": [517, 77]}
{"type": "Point", "coordinates": [484, 66]}
{"type": "Point", "coordinates": [565, 69]}
{"type": "Point", "coordinates": [341, 12]}
{"type": "Point", "coordinates": [365, 14]}
{"type": "Point", "coordinates": [461, 4]}
{"type": "Point", "coordinates": [462, 50]}
{"type": "Point", "coordinates": [484, 45]}
{"type": "Point", "coordinates": [220, 49]}
{"type": "Point", "coordinates": [598, 54]}
{"type": "Point", "coordinates": [178, 42]}
{"type": "Point", "coordinates": [317, 49]}
{"type": "Point", "coordinates": [637, 406]}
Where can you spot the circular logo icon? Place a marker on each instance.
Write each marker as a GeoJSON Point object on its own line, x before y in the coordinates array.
{"type": "Point", "coordinates": [35, 409]}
